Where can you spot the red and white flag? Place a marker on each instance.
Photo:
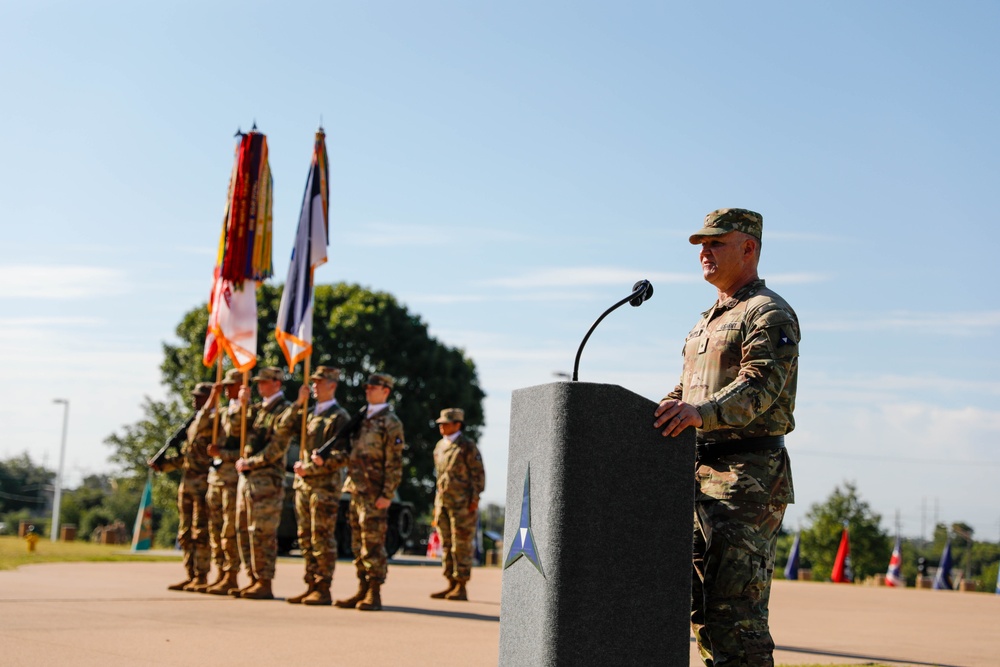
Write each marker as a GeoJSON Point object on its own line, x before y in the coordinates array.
{"type": "Point", "coordinates": [232, 323]}
{"type": "Point", "coordinates": [894, 575]}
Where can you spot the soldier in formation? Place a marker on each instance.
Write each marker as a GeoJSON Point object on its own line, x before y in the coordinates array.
{"type": "Point", "coordinates": [460, 480]}
{"type": "Point", "coordinates": [737, 390]}
{"type": "Point", "coordinates": [222, 482]}
{"type": "Point", "coordinates": [270, 426]}
{"type": "Point", "coordinates": [193, 458]}
{"type": "Point", "coordinates": [318, 487]}
{"type": "Point", "coordinates": [375, 468]}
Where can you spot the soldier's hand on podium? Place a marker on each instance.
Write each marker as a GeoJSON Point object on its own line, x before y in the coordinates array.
{"type": "Point", "coordinates": [674, 416]}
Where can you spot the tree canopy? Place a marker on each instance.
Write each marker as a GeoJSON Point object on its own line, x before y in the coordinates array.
{"type": "Point", "coordinates": [870, 545]}
{"type": "Point", "coordinates": [355, 329]}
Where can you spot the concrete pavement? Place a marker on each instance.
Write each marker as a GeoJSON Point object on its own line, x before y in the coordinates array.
{"type": "Point", "coordinates": [111, 614]}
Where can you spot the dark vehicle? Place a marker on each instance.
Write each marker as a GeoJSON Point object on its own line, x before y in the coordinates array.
{"type": "Point", "coordinates": [399, 530]}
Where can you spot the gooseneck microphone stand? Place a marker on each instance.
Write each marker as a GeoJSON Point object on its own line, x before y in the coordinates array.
{"type": "Point", "coordinates": [641, 292]}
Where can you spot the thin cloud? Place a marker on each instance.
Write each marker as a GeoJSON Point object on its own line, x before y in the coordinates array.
{"type": "Point", "coordinates": [448, 299]}
{"type": "Point", "coordinates": [957, 324]}
{"type": "Point", "coordinates": [589, 276]}
{"type": "Point", "coordinates": [385, 234]}
{"type": "Point", "coordinates": [60, 282]}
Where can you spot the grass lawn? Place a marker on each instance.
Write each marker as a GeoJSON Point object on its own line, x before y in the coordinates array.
{"type": "Point", "coordinates": [14, 553]}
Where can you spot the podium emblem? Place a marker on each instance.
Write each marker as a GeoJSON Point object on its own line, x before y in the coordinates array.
{"type": "Point", "coordinates": [524, 541]}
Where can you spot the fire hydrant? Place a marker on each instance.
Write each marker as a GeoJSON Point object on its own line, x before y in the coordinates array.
{"type": "Point", "coordinates": [31, 537]}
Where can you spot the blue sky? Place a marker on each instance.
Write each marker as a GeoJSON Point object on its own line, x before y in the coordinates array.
{"type": "Point", "coordinates": [509, 170]}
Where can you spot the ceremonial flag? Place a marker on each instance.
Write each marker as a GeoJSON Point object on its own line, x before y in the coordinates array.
{"type": "Point", "coordinates": [792, 567]}
{"type": "Point", "coordinates": [942, 580]}
{"type": "Point", "coordinates": [998, 579]}
{"type": "Point", "coordinates": [244, 255]}
{"type": "Point", "coordinates": [894, 575]}
{"type": "Point", "coordinates": [295, 313]}
{"type": "Point", "coordinates": [142, 534]}
{"type": "Point", "coordinates": [842, 573]}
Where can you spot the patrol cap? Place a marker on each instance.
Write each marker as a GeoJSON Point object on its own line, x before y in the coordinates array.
{"type": "Point", "coordinates": [202, 389]}
{"type": "Point", "coordinates": [269, 373]}
{"type": "Point", "coordinates": [727, 220]}
{"type": "Point", "coordinates": [233, 376]}
{"type": "Point", "coordinates": [326, 373]}
{"type": "Point", "coordinates": [381, 380]}
{"type": "Point", "coordinates": [449, 415]}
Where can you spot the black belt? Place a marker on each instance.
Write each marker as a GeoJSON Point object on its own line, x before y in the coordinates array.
{"type": "Point", "coordinates": [713, 450]}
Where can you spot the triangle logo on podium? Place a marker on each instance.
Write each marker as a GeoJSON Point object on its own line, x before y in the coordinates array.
{"type": "Point", "coordinates": [524, 541]}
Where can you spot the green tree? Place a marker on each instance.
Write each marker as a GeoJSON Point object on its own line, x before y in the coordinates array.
{"type": "Point", "coordinates": [870, 545]}
{"type": "Point", "coordinates": [355, 329]}
{"type": "Point", "coordinates": [24, 486]}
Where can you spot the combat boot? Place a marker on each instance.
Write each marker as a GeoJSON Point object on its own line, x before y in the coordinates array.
{"type": "Point", "coordinates": [218, 579]}
{"type": "Point", "coordinates": [297, 599]}
{"type": "Point", "coordinates": [443, 594]}
{"type": "Point", "coordinates": [225, 585]}
{"type": "Point", "coordinates": [238, 592]}
{"type": "Point", "coordinates": [458, 593]}
{"type": "Point", "coordinates": [352, 602]}
{"type": "Point", "coordinates": [373, 598]}
{"type": "Point", "coordinates": [198, 585]}
{"type": "Point", "coordinates": [259, 591]}
{"type": "Point", "coordinates": [179, 586]}
{"type": "Point", "coordinates": [320, 595]}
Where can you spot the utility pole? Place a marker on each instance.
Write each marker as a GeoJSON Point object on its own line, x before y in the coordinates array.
{"type": "Point", "coordinates": [57, 499]}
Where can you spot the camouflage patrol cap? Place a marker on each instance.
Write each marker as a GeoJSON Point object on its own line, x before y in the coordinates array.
{"type": "Point", "coordinates": [202, 389]}
{"type": "Point", "coordinates": [326, 373]}
{"type": "Point", "coordinates": [727, 220]}
{"type": "Point", "coordinates": [233, 376]}
{"type": "Point", "coordinates": [269, 373]}
{"type": "Point", "coordinates": [449, 415]}
{"type": "Point", "coordinates": [381, 380]}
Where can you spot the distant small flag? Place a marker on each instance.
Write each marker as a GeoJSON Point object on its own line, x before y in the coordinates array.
{"type": "Point", "coordinates": [894, 575]}
{"type": "Point", "coordinates": [792, 568]}
{"type": "Point", "coordinates": [942, 580]}
{"type": "Point", "coordinates": [842, 573]}
{"type": "Point", "coordinates": [998, 579]}
{"type": "Point", "coordinates": [434, 545]}
{"type": "Point", "coordinates": [142, 535]}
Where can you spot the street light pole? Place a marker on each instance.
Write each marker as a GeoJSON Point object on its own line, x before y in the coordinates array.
{"type": "Point", "coordinates": [57, 500]}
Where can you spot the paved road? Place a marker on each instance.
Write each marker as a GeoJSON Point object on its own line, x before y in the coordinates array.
{"type": "Point", "coordinates": [111, 614]}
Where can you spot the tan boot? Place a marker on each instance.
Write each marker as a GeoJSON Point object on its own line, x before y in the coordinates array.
{"type": "Point", "coordinates": [198, 585]}
{"type": "Point", "coordinates": [443, 594]}
{"type": "Point", "coordinates": [458, 593]}
{"type": "Point", "coordinates": [238, 592]}
{"type": "Point", "coordinates": [352, 602]}
{"type": "Point", "coordinates": [320, 595]}
{"type": "Point", "coordinates": [373, 598]}
{"type": "Point", "coordinates": [259, 591]}
{"type": "Point", "coordinates": [226, 584]}
{"type": "Point", "coordinates": [218, 579]}
{"type": "Point", "coordinates": [297, 599]}
{"type": "Point", "coordinates": [179, 586]}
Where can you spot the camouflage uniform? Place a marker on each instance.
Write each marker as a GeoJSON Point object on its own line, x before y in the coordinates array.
{"type": "Point", "coordinates": [261, 488]}
{"type": "Point", "coordinates": [376, 469]}
{"type": "Point", "coordinates": [740, 372]}
{"type": "Point", "coordinates": [317, 496]}
{"type": "Point", "coordinates": [192, 532]}
{"type": "Point", "coordinates": [222, 494]}
{"type": "Point", "coordinates": [460, 480]}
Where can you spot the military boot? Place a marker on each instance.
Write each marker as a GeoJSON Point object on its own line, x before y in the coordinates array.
{"type": "Point", "coordinates": [179, 586]}
{"type": "Point", "coordinates": [373, 598]}
{"type": "Point", "coordinates": [352, 602]}
{"type": "Point", "coordinates": [238, 592]}
{"type": "Point", "coordinates": [198, 585]}
{"type": "Point", "coordinates": [443, 594]}
{"type": "Point", "coordinates": [218, 579]}
{"type": "Point", "coordinates": [225, 585]}
{"type": "Point", "coordinates": [458, 593]}
{"type": "Point", "coordinates": [320, 595]}
{"type": "Point", "coordinates": [297, 599]}
{"type": "Point", "coordinates": [259, 591]}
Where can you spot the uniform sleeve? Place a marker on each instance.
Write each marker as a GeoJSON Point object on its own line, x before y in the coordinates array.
{"type": "Point", "coordinates": [336, 459]}
{"type": "Point", "coordinates": [276, 448]}
{"type": "Point", "coordinates": [204, 426]}
{"type": "Point", "coordinates": [770, 354]}
{"type": "Point", "coordinates": [393, 459]}
{"type": "Point", "coordinates": [477, 473]}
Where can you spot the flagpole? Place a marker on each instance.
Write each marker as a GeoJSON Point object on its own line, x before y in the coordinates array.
{"type": "Point", "coordinates": [305, 411]}
{"type": "Point", "coordinates": [218, 398]}
{"type": "Point", "coordinates": [243, 416]}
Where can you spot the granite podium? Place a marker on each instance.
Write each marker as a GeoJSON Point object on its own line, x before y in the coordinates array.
{"type": "Point", "coordinates": [597, 533]}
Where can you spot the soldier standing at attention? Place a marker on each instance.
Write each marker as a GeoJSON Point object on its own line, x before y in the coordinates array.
{"type": "Point", "coordinates": [375, 467]}
{"type": "Point", "coordinates": [318, 488]}
{"type": "Point", "coordinates": [222, 482]}
{"type": "Point", "coordinates": [460, 480]}
{"type": "Point", "coordinates": [262, 473]}
{"type": "Point", "coordinates": [192, 531]}
{"type": "Point", "coordinates": [737, 389]}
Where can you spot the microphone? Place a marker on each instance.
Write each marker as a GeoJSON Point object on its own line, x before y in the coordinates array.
{"type": "Point", "coordinates": [641, 292]}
